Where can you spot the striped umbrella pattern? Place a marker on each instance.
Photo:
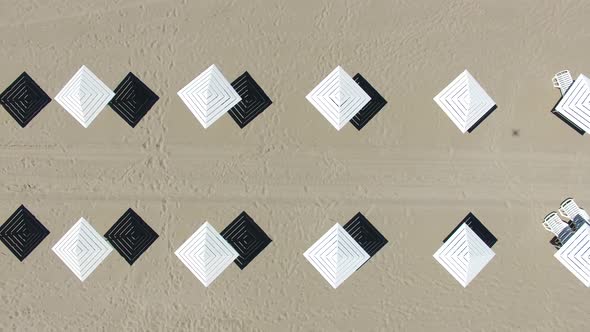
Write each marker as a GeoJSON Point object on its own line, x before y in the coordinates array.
{"type": "Point", "coordinates": [209, 96]}
{"type": "Point", "coordinates": [206, 254]}
{"type": "Point", "coordinates": [82, 249]}
{"type": "Point", "coordinates": [338, 98]}
{"type": "Point", "coordinates": [84, 96]}
{"type": "Point", "coordinates": [575, 254]}
{"type": "Point", "coordinates": [365, 234]}
{"type": "Point", "coordinates": [247, 238]}
{"type": "Point", "coordinates": [574, 106]}
{"type": "Point", "coordinates": [24, 99]}
{"type": "Point", "coordinates": [464, 254]}
{"type": "Point", "coordinates": [131, 236]}
{"type": "Point", "coordinates": [368, 112]}
{"type": "Point", "coordinates": [336, 255]}
{"type": "Point", "coordinates": [22, 233]}
{"type": "Point", "coordinates": [254, 100]}
{"type": "Point", "coordinates": [465, 102]}
{"type": "Point", "coordinates": [132, 100]}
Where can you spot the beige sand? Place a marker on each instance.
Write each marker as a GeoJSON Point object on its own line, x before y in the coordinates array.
{"type": "Point", "coordinates": [410, 171]}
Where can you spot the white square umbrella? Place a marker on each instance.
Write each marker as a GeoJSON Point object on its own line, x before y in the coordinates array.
{"type": "Point", "coordinates": [84, 96]}
{"type": "Point", "coordinates": [336, 255]}
{"type": "Point", "coordinates": [206, 254]}
{"type": "Point", "coordinates": [338, 98]}
{"type": "Point", "coordinates": [575, 254]}
{"type": "Point", "coordinates": [465, 102]}
{"type": "Point", "coordinates": [575, 104]}
{"type": "Point", "coordinates": [464, 255]}
{"type": "Point", "coordinates": [209, 96]}
{"type": "Point", "coordinates": [82, 249]}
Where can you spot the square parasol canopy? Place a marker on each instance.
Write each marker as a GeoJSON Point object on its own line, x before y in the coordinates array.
{"type": "Point", "coordinates": [574, 107]}
{"type": "Point", "coordinates": [575, 254]}
{"type": "Point", "coordinates": [464, 255]}
{"type": "Point", "coordinates": [465, 102]}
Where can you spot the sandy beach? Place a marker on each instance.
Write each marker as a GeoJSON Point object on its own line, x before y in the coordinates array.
{"type": "Point", "coordinates": [410, 171]}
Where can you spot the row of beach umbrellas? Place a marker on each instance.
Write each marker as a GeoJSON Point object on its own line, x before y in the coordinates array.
{"type": "Point", "coordinates": [340, 98]}
{"type": "Point", "coordinates": [336, 255]}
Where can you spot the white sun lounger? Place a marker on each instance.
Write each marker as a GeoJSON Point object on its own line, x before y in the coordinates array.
{"type": "Point", "coordinates": [563, 80]}
{"type": "Point", "coordinates": [558, 227]}
{"type": "Point", "coordinates": [569, 209]}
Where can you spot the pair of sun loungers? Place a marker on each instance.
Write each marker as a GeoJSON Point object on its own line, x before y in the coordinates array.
{"type": "Point", "coordinates": [563, 230]}
{"type": "Point", "coordinates": [563, 80]}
